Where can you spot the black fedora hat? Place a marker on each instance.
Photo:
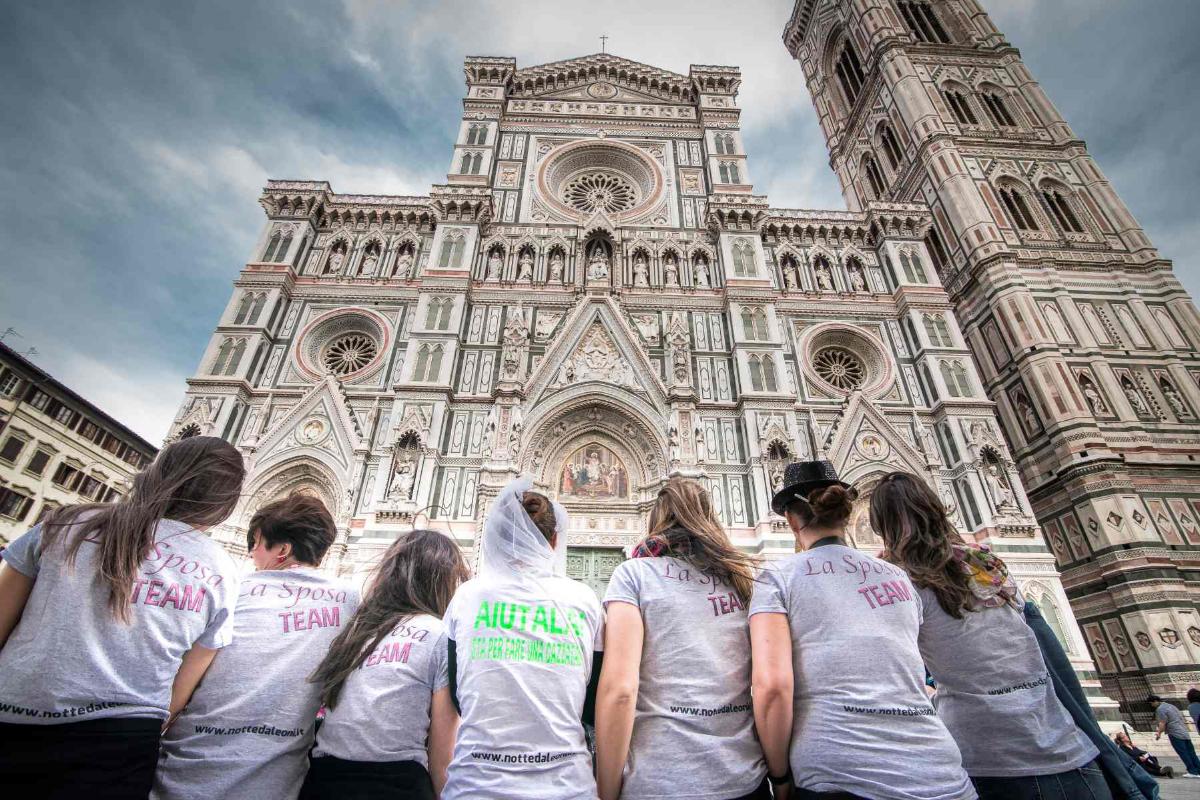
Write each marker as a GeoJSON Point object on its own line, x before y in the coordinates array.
{"type": "Point", "coordinates": [800, 478]}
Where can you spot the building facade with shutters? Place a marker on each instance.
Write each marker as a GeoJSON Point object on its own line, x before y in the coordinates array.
{"type": "Point", "coordinates": [56, 448]}
{"type": "Point", "coordinates": [1081, 334]}
{"type": "Point", "coordinates": [597, 297]}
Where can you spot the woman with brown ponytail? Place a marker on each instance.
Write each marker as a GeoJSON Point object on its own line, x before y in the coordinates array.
{"type": "Point", "coordinates": [994, 691]}
{"type": "Point", "coordinates": [390, 724]}
{"type": "Point", "coordinates": [673, 713]}
{"type": "Point", "coordinates": [109, 617]}
{"type": "Point", "coordinates": [839, 687]}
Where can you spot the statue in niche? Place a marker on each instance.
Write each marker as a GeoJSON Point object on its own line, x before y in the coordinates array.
{"type": "Point", "coordinates": [1029, 420]}
{"type": "Point", "coordinates": [370, 261]}
{"type": "Point", "coordinates": [670, 271]}
{"type": "Point", "coordinates": [1173, 399]}
{"type": "Point", "coordinates": [598, 262]}
{"type": "Point", "coordinates": [525, 267]}
{"type": "Point", "coordinates": [997, 486]}
{"type": "Point", "coordinates": [514, 432]}
{"type": "Point", "coordinates": [641, 272]}
{"type": "Point", "coordinates": [1135, 399]}
{"type": "Point", "coordinates": [335, 262]}
{"type": "Point", "coordinates": [824, 276]}
{"type": "Point", "coordinates": [1092, 395]}
{"type": "Point", "coordinates": [857, 280]}
{"type": "Point", "coordinates": [789, 279]}
{"type": "Point", "coordinates": [401, 486]}
{"type": "Point", "coordinates": [489, 429]}
{"type": "Point", "coordinates": [495, 265]}
{"type": "Point", "coordinates": [516, 336]}
{"type": "Point", "coordinates": [701, 445]}
{"type": "Point", "coordinates": [556, 267]}
{"type": "Point", "coordinates": [673, 443]}
{"type": "Point", "coordinates": [703, 280]}
{"type": "Point", "coordinates": [404, 265]}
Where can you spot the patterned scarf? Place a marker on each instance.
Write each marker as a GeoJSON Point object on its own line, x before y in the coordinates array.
{"type": "Point", "coordinates": [671, 542]}
{"type": "Point", "coordinates": [990, 582]}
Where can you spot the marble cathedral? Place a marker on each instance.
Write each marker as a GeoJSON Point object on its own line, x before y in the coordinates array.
{"type": "Point", "coordinates": [597, 297]}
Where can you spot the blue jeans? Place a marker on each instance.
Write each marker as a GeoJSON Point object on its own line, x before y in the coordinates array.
{"type": "Point", "coordinates": [1085, 783]}
{"type": "Point", "coordinates": [1187, 752]}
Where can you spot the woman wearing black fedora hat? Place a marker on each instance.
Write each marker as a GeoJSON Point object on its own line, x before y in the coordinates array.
{"type": "Point", "coordinates": [838, 682]}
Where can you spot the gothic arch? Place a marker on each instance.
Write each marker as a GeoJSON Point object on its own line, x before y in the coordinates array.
{"type": "Point", "coordinates": [295, 471]}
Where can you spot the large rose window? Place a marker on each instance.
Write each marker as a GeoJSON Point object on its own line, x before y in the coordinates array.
{"type": "Point", "coordinates": [585, 177]}
{"type": "Point", "coordinates": [839, 368]}
{"type": "Point", "coordinates": [600, 191]}
{"type": "Point", "coordinates": [349, 353]}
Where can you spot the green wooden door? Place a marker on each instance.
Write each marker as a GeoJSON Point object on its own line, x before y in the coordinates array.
{"type": "Point", "coordinates": [593, 565]}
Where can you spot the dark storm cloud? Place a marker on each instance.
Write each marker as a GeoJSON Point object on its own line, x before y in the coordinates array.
{"type": "Point", "coordinates": [137, 136]}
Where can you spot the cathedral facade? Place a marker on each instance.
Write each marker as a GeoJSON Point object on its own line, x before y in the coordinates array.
{"type": "Point", "coordinates": [597, 297]}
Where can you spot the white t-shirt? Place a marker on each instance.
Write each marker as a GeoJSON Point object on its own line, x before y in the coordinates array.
{"type": "Point", "coordinates": [249, 725]}
{"type": "Point", "coordinates": [382, 712]}
{"type": "Point", "coordinates": [524, 653]}
{"type": "Point", "coordinates": [862, 721]}
{"type": "Point", "coordinates": [70, 660]}
{"type": "Point", "coordinates": [693, 732]}
{"type": "Point", "coordinates": [988, 667]}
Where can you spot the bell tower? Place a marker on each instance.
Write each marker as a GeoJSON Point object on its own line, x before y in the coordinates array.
{"type": "Point", "coordinates": [1084, 338]}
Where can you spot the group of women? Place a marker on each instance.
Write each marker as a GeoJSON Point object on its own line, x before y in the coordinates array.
{"type": "Point", "coordinates": [135, 661]}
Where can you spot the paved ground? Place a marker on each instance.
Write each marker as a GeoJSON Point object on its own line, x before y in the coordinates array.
{"type": "Point", "coordinates": [1177, 788]}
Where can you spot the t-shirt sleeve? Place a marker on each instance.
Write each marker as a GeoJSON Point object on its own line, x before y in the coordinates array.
{"type": "Point", "coordinates": [598, 639]}
{"type": "Point", "coordinates": [439, 664]}
{"type": "Point", "coordinates": [24, 554]}
{"type": "Point", "coordinates": [448, 617]}
{"type": "Point", "coordinates": [770, 594]}
{"type": "Point", "coordinates": [625, 585]}
{"type": "Point", "coordinates": [219, 632]}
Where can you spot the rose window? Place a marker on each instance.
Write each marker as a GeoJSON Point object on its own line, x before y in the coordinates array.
{"type": "Point", "coordinates": [349, 353]}
{"type": "Point", "coordinates": [599, 191]}
{"type": "Point", "coordinates": [839, 368]}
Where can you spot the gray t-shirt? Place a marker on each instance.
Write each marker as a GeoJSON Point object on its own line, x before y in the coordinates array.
{"type": "Point", "coordinates": [693, 732]}
{"type": "Point", "coordinates": [1176, 727]}
{"type": "Point", "coordinates": [524, 653]}
{"type": "Point", "coordinates": [382, 713]}
{"type": "Point", "coordinates": [863, 723]}
{"type": "Point", "coordinates": [70, 660]}
{"type": "Point", "coordinates": [995, 693]}
{"type": "Point", "coordinates": [249, 725]}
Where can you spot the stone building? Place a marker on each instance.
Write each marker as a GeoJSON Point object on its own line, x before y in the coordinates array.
{"type": "Point", "coordinates": [1082, 336]}
{"type": "Point", "coordinates": [56, 448]}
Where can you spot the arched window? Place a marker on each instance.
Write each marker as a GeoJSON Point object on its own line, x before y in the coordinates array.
{"type": "Point", "coordinates": [960, 105]}
{"type": "Point", "coordinates": [770, 383]}
{"type": "Point", "coordinates": [928, 387]}
{"type": "Point", "coordinates": [432, 312]}
{"type": "Point", "coordinates": [756, 373]}
{"type": "Point", "coordinates": [443, 320]}
{"type": "Point", "coordinates": [257, 308]}
{"type": "Point", "coordinates": [938, 331]}
{"type": "Point", "coordinates": [914, 272]}
{"type": "Point", "coordinates": [948, 446]}
{"type": "Point", "coordinates": [719, 144]}
{"type": "Point", "coordinates": [747, 322]}
{"type": "Point", "coordinates": [743, 258]}
{"type": "Point", "coordinates": [923, 22]}
{"type": "Point", "coordinates": [874, 177]}
{"type": "Point", "coordinates": [729, 172]}
{"type": "Point", "coordinates": [997, 109]}
{"type": "Point", "coordinates": [222, 359]}
{"type": "Point", "coordinates": [954, 375]}
{"type": "Point", "coordinates": [962, 378]}
{"type": "Point", "coordinates": [429, 363]}
{"type": "Point", "coordinates": [937, 251]}
{"type": "Point", "coordinates": [890, 146]}
{"type": "Point", "coordinates": [471, 163]}
{"type": "Point", "coordinates": [754, 323]}
{"type": "Point", "coordinates": [849, 74]}
{"type": "Point", "coordinates": [1018, 208]}
{"type": "Point", "coordinates": [284, 247]}
{"type": "Point", "coordinates": [452, 246]}
{"type": "Point", "coordinates": [1060, 208]}
{"type": "Point", "coordinates": [272, 246]}
{"type": "Point", "coordinates": [244, 308]}
{"type": "Point", "coordinates": [477, 134]}
{"type": "Point", "coordinates": [235, 356]}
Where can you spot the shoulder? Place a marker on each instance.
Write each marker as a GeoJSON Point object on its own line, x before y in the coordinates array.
{"type": "Point", "coordinates": [577, 591]}
{"type": "Point", "coordinates": [434, 625]}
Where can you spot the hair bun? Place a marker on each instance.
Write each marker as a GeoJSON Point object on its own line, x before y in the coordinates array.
{"type": "Point", "coordinates": [541, 511]}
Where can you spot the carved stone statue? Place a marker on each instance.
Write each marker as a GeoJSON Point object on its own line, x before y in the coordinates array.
{"type": "Point", "coordinates": [824, 277]}
{"type": "Point", "coordinates": [369, 263]}
{"type": "Point", "coordinates": [670, 272]}
{"type": "Point", "coordinates": [998, 487]}
{"type": "Point", "coordinates": [1174, 400]}
{"type": "Point", "coordinates": [1135, 400]}
{"type": "Point", "coordinates": [857, 280]}
{"type": "Point", "coordinates": [404, 265]}
{"type": "Point", "coordinates": [701, 445]}
{"type": "Point", "coordinates": [703, 281]}
{"type": "Point", "coordinates": [489, 429]}
{"type": "Point", "coordinates": [335, 262]}
{"type": "Point", "coordinates": [514, 432]}
{"type": "Point", "coordinates": [1028, 418]}
{"type": "Point", "coordinates": [525, 267]}
{"type": "Point", "coordinates": [673, 443]}
{"type": "Point", "coordinates": [495, 265]}
{"type": "Point", "coordinates": [516, 337]}
{"type": "Point", "coordinates": [641, 273]}
{"type": "Point", "coordinates": [401, 486]}
{"type": "Point", "coordinates": [789, 279]}
{"type": "Point", "coordinates": [598, 264]}
{"type": "Point", "coordinates": [556, 267]}
{"type": "Point", "coordinates": [1094, 400]}
{"type": "Point", "coordinates": [775, 471]}
{"type": "Point", "coordinates": [647, 325]}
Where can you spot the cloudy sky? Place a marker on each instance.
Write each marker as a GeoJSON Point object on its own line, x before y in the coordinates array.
{"type": "Point", "coordinates": [137, 137]}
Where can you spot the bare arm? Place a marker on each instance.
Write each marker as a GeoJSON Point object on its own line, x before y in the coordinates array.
{"type": "Point", "coordinates": [14, 594]}
{"type": "Point", "coordinates": [773, 684]}
{"type": "Point", "coordinates": [195, 663]}
{"type": "Point", "coordinates": [443, 728]}
{"type": "Point", "coordinates": [617, 697]}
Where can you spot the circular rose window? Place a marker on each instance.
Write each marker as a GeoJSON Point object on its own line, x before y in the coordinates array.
{"type": "Point", "coordinates": [599, 191]}
{"type": "Point", "coordinates": [839, 368]}
{"type": "Point", "coordinates": [349, 353]}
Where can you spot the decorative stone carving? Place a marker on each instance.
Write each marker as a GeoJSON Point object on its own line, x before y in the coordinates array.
{"type": "Point", "coordinates": [1092, 395]}
{"type": "Point", "coordinates": [703, 280]}
{"type": "Point", "coordinates": [997, 486]}
{"type": "Point", "coordinates": [595, 359]}
{"type": "Point", "coordinates": [647, 325]}
{"type": "Point", "coordinates": [824, 276]}
{"type": "Point", "coordinates": [641, 272]}
{"type": "Point", "coordinates": [525, 267]}
{"type": "Point", "coordinates": [670, 271]}
{"type": "Point", "coordinates": [401, 486]}
{"type": "Point", "coordinates": [494, 267]}
{"type": "Point", "coordinates": [404, 265]}
{"type": "Point", "coordinates": [1135, 399]}
{"type": "Point", "coordinates": [515, 430]}
{"type": "Point", "coordinates": [789, 279]}
{"type": "Point", "coordinates": [556, 267]}
{"type": "Point", "coordinates": [1173, 399]}
{"type": "Point", "coordinates": [546, 323]}
{"type": "Point", "coordinates": [858, 281]}
{"type": "Point", "coordinates": [679, 351]}
{"type": "Point", "coordinates": [598, 263]}
{"type": "Point", "coordinates": [516, 341]}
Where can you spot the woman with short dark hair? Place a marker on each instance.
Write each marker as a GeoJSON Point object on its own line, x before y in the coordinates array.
{"type": "Point", "coordinates": [983, 656]}
{"type": "Point", "coordinates": [109, 616]}
{"type": "Point", "coordinates": [249, 726]}
{"type": "Point", "coordinates": [390, 723]}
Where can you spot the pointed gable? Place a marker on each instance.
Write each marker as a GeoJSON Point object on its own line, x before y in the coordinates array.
{"type": "Point", "coordinates": [321, 424]}
{"type": "Point", "coordinates": [866, 442]}
{"type": "Point", "coordinates": [602, 76]}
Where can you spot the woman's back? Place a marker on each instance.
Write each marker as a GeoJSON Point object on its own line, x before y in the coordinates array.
{"type": "Point", "coordinates": [862, 721]}
{"type": "Point", "coordinates": [693, 732]}
{"type": "Point", "coordinates": [524, 656]}
{"type": "Point", "coordinates": [183, 594]}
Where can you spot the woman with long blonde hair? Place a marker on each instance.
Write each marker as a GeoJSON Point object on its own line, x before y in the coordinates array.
{"type": "Point", "coordinates": [673, 711]}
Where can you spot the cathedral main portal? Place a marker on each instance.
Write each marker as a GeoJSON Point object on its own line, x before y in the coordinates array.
{"type": "Point", "coordinates": [593, 565]}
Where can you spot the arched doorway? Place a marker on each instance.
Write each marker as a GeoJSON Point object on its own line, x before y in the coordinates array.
{"type": "Point", "coordinates": [859, 530]}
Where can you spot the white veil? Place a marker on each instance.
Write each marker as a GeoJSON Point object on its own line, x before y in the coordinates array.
{"type": "Point", "coordinates": [512, 546]}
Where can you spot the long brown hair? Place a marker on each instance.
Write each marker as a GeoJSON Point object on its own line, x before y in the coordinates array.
{"type": "Point", "coordinates": [684, 516]}
{"type": "Point", "coordinates": [197, 481]}
{"type": "Point", "coordinates": [919, 537]}
{"type": "Point", "coordinates": [418, 575]}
